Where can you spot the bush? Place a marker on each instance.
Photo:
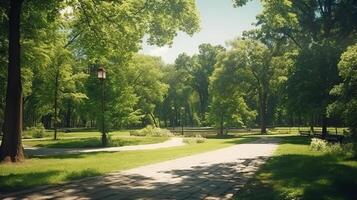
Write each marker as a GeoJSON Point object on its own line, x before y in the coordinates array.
{"type": "Point", "coordinates": [331, 148]}
{"type": "Point", "coordinates": [37, 131]}
{"type": "Point", "coordinates": [152, 131]}
{"type": "Point", "coordinates": [318, 144]}
{"type": "Point", "coordinates": [195, 140]}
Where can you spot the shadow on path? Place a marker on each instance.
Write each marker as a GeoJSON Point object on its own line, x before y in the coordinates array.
{"type": "Point", "coordinates": [217, 181]}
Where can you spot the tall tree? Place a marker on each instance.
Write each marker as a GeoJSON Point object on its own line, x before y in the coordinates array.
{"type": "Point", "coordinates": [11, 146]}
{"type": "Point", "coordinates": [147, 81]}
{"type": "Point", "coordinates": [207, 58]}
{"type": "Point", "coordinates": [228, 106]}
{"type": "Point", "coordinates": [320, 29]}
{"type": "Point", "coordinates": [250, 62]}
{"type": "Point", "coordinates": [115, 26]}
{"type": "Point", "coordinates": [346, 92]}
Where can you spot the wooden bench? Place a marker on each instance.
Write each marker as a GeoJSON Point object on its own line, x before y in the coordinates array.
{"type": "Point", "coordinates": [335, 138]}
{"type": "Point", "coordinates": [329, 137]}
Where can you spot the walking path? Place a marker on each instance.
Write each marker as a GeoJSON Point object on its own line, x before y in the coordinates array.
{"type": "Point", "coordinates": [39, 151]}
{"type": "Point", "coordinates": [217, 174]}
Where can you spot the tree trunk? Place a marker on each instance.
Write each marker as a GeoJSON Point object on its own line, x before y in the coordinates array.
{"type": "Point", "coordinates": [324, 127]}
{"type": "Point", "coordinates": [55, 105]}
{"type": "Point", "coordinates": [11, 144]}
{"type": "Point", "coordinates": [312, 124]}
{"type": "Point", "coordinates": [353, 131]}
{"type": "Point", "coordinates": [154, 120]}
{"type": "Point", "coordinates": [202, 107]}
{"type": "Point", "coordinates": [263, 112]}
{"type": "Point", "coordinates": [221, 129]}
{"type": "Point", "coordinates": [68, 114]}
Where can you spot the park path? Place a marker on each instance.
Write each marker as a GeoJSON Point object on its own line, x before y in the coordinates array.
{"type": "Point", "coordinates": [217, 174]}
{"type": "Point", "coordinates": [40, 151]}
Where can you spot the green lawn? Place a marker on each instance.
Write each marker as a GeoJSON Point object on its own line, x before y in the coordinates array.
{"type": "Point", "coordinates": [296, 172]}
{"type": "Point", "coordinates": [82, 134]}
{"type": "Point", "coordinates": [91, 142]}
{"type": "Point", "coordinates": [58, 169]}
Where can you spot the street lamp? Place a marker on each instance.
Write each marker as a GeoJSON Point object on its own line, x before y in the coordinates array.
{"type": "Point", "coordinates": [173, 117]}
{"type": "Point", "coordinates": [101, 77]}
{"type": "Point", "coordinates": [182, 113]}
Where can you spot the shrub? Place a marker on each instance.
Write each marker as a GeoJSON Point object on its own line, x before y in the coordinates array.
{"type": "Point", "coordinates": [318, 144]}
{"type": "Point", "coordinates": [331, 148]}
{"type": "Point", "coordinates": [152, 131]}
{"type": "Point", "coordinates": [37, 131]}
{"type": "Point", "coordinates": [194, 140]}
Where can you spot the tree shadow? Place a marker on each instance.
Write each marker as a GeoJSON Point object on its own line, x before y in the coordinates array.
{"type": "Point", "coordinates": [60, 155]}
{"type": "Point", "coordinates": [214, 180]}
{"type": "Point", "coordinates": [303, 177]}
{"type": "Point", "coordinates": [8, 181]}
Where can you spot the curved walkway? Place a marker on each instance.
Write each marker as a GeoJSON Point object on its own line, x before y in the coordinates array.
{"type": "Point", "coordinates": [217, 174]}
{"type": "Point", "coordinates": [39, 151]}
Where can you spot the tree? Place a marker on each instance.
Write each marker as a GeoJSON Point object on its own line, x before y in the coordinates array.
{"type": "Point", "coordinates": [115, 26]}
{"type": "Point", "coordinates": [228, 106]}
{"type": "Point", "coordinates": [147, 81]}
{"type": "Point", "coordinates": [11, 146]}
{"type": "Point", "coordinates": [320, 29]}
{"type": "Point", "coordinates": [206, 59]}
{"type": "Point", "coordinates": [253, 59]}
{"type": "Point", "coordinates": [346, 92]}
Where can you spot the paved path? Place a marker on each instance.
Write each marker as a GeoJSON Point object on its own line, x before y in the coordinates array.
{"type": "Point", "coordinates": [217, 174]}
{"type": "Point", "coordinates": [39, 151]}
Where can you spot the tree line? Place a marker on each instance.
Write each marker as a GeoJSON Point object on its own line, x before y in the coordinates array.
{"type": "Point", "coordinates": [298, 67]}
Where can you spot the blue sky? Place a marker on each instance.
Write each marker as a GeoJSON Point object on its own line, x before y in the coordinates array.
{"type": "Point", "coordinates": [220, 22]}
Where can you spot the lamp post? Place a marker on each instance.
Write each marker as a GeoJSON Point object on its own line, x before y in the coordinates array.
{"type": "Point", "coordinates": [173, 117]}
{"type": "Point", "coordinates": [182, 113]}
{"type": "Point", "coordinates": [101, 77]}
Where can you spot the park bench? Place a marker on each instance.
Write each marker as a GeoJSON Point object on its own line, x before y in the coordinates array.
{"type": "Point", "coordinates": [191, 132]}
{"type": "Point", "coordinates": [329, 137]}
{"type": "Point", "coordinates": [335, 138]}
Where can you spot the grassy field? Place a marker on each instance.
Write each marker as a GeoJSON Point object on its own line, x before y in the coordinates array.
{"type": "Point", "coordinates": [296, 172]}
{"type": "Point", "coordinates": [83, 134]}
{"type": "Point", "coordinates": [91, 142]}
{"type": "Point", "coordinates": [58, 169]}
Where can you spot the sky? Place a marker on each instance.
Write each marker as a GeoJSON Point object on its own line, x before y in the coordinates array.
{"type": "Point", "coordinates": [220, 22]}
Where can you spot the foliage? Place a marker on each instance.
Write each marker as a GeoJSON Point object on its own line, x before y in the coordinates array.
{"type": "Point", "coordinates": [346, 92]}
{"type": "Point", "coordinates": [147, 81]}
{"type": "Point", "coordinates": [37, 131]}
{"type": "Point", "coordinates": [197, 139]}
{"type": "Point", "coordinates": [243, 71]}
{"type": "Point", "coordinates": [152, 132]}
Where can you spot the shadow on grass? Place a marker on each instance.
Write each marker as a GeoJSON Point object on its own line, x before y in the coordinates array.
{"type": "Point", "coordinates": [88, 143]}
{"type": "Point", "coordinates": [303, 177]}
{"type": "Point", "coordinates": [69, 155]}
{"type": "Point", "coordinates": [7, 182]}
{"type": "Point", "coordinates": [215, 180]}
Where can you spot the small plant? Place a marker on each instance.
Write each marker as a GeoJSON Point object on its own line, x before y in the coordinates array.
{"type": "Point", "coordinates": [195, 140]}
{"type": "Point", "coordinates": [331, 148]}
{"type": "Point", "coordinates": [37, 131]}
{"type": "Point", "coordinates": [152, 131]}
{"type": "Point", "coordinates": [318, 144]}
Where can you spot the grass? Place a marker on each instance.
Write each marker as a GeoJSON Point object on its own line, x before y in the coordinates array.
{"type": "Point", "coordinates": [47, 170]}
{"type": "Point", "coordinates": [296, 172]}
{"type": "Point", "coordinates": [93, 142]}
{"type": "Point", "coordinates": [85, 134]}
